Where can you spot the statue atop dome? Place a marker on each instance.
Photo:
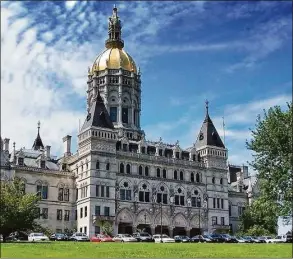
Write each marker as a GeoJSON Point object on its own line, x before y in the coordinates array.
{"type": "Point", "coordinates": [114, 40]}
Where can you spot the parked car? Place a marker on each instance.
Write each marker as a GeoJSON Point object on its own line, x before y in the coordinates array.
{"type": "Point", "coordinates": [218, 238]}
{"type": "Point", "coordinates": [256, 239]}
{"type": "Point", "coordinates": [37, 237]}
{"type": "Point", "coordinates": [240, 239]}
{"type": "Point", "coordinates": [101, 238]}
{"type": "Point", "coordinates": [279, 239]}
{"type": "Point", "coordinates": [181, 239]}
{"type": "Point", "coordinates": [58, 237]}
{"type": "Point", "coordinates": [200, 239]}
{"type": "Point", "coordinates": [79, 237]}
{"type": "Point", "coordinates": [268, 239]}
{"type": "Point", "coordinates": [248, 239]}
{"type": "Point", "coordinates": [209, 238]}
{"type": "Point", "coordinates": [229, 239]}
{"type": "Point", "coordinates": [17, 236]}
{"type": "Point", "coordinates": [288, 238]}
{"type": "Point", "coordinates": [143, 237]}
{"type": "Point", "coordinates": [261, 239]}
{"type": "Point", "coordinates": [124, 238]}
{"type": "Point", "coordinates": [163, 239]}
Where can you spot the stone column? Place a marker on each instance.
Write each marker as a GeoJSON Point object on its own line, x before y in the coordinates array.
{"type": "Point", "coordinates": [190, 156]}
{"type": "Point", "coordinates": [170, 231]}
{"type": "Point", "coordinates": [187, 231]}
{"type": "Point", "coordinates": [115, 229]}
{"type": "Point", "coordinates": [157, 151]}
{"type": "Point", "coordinates": [134, 228]}
{"type": "Point", "coordinates": [153, 229]}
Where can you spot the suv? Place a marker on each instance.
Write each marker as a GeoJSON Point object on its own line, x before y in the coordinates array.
{"type": "Point", "coordinates": [143, 237]}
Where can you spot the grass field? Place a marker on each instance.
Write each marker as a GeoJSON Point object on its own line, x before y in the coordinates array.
{"type": "Point", "coordinates": [136, 250]}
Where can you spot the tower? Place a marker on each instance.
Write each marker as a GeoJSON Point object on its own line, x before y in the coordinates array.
{"type": "Point", "coordinates": [115, 74]}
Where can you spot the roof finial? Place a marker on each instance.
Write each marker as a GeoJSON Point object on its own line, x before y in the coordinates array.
{"type": "Point", "coordinates": [39, 125]}
{"type": "Point", "coordinates": [207, 106]}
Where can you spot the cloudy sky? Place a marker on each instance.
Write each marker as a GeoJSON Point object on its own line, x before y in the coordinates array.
{"type": "Point", "coordinates": [238, 55]}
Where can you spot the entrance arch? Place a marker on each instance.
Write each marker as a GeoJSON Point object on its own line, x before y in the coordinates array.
{"type": "Point", "coordinates": [180, 224]}
{"type": "Point", "coordinates": [143, 221]}
{"type": "Point", "coordinates": [124, 220]}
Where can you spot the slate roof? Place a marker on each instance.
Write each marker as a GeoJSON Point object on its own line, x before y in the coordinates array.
{"type": "Point", "coordinates": [38, 143]}
{"type": "Point", "coordinates": [208, 135]}
{"type": "Point", "coordinates": [98, 115]}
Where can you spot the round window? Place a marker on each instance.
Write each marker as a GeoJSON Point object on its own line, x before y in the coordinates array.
{"type": "Point", "coordinates": [144, 186]}
{"type": "Point", "coordinates": [196, 192]}
{"type": "Point", "coordinates": [179, 190]}
{"type": "Point", "coordinates": [162, 188]}
{"type": "Point", "coordinates": [125, 184]}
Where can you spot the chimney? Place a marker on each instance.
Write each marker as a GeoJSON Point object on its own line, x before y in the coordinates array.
{"type": "Point", "coordinates": [6, 144]}
{"type": "Point", "coordinates": [67, 145]}
{"type": "Point", "coordinates": [48, 155]}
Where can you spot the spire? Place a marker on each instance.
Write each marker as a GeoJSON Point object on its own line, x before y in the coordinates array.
{"type": "Point", "coordinates": [38, 144]}
{"type": "Point", "coordinates": [208, 135]}
{"type": "Point", "coordinates": [98, 115]}
{"type": "Point", "coordinates": [114, 32]}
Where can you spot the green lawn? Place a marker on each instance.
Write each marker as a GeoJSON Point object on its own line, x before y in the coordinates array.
{"type": "Point", "coordinates": [136, 250]}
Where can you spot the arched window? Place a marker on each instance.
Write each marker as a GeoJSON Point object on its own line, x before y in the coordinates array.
{"type": "Point", "coordinates": [181, 176]}
{"type": "Point", "coordinates": [128, 169]}
{"type": "Point", "coordinates": [122, 168]}
{"type": "Point", "coordinates": [179, 197]}
{"type": "Point", "coordinates": [192, 177]}
{"type": "Point", "coordinates": [164, 173]}
{"type": "Point", "coordinates": [97, 165]}
{"type": "Point", "coordinates": [213, 180]}
{"type": "Point", "coordinates": [195, 199]}
{"type": "Point", "coordinates": [108, 166]}
{"type": "Point", "coordinates": [162, 195]}
{"type": "Point", "coordinates": [221, 181]}
{"type": "Point", "coordinates": [175, 175]}
{"type": "Point", "coordinates": [197, 177]}
{"type": "Point", "coordinates": [42, 190]}
{"type": "Point", "coordinates": [140, 170]}
{"type": "Point", "coordinates": [144, 193]}
{"type": "Point", "coordinates": [146, 171]}
{"type": "Point", "coordinates": [158, 172]}
{"type": "Point", "coordinates": [125, 191]}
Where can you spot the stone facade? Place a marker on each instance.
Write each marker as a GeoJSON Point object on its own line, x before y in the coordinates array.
{"type": "Point", "coordinates": [119, 176]}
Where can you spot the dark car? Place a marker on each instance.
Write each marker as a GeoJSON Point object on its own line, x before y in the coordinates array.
{"type": "Point", "coordinates": [209, 238]}
{"type": "Point", "coordinates": [143, 237]}
{"type": "Point", "coordinates": [59, 237]}
{"type": "Point", "coordinates": [181, 239]}
{"type": "Point", "coordinates": [17, 236]}
{"type": "Point", "coordinates": [248, 239]}
{"type": "Point", "coordinates": [229, 239]}
{"type": "Point", "coordinates": [201, 239]}
{"type": "Point", "coordinates": [218, 238]}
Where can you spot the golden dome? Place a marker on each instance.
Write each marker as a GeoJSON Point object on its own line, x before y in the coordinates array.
{"type": "Point", "coordinates": [114, 58]}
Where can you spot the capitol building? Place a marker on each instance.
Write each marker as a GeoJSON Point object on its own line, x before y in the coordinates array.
{"type": "Point", "coordinates": [119, 176]}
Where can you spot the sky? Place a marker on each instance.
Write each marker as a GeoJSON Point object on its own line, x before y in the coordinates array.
{"type": "Point", "coordinates": [237, 55]}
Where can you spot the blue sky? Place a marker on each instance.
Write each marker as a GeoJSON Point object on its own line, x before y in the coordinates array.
{"type": "Point", "coordinates": [238, 55]}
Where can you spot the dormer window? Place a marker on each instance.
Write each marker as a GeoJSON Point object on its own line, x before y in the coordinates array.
{"type": "Point", "coordinates": [43, 164]}
{"type": "Point", "coordinates": [20, 161]}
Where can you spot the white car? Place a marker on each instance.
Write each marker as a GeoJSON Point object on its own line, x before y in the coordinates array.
{"type": "Point", "coordinates": [79, 237]}
{"type": "Point", "coordinates": [124, 238]}
{"type": "Point", "coordinates": [268, 239]}
{"type": "Point", "coordinates": [279, 239]}
{"type": "Point", "coordinates": [164, 239]}
{"type": "Point", "coordinates": [37, 237]}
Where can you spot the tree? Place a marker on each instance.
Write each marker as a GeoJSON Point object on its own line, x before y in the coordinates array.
{"type": "Point", "coordinates": [260, 218]}
{"type": "Point", "coordinates": [106, 227]}
{"type": "Point", "coordinates": [18, 210]}
{"type": "Point", "coordinates": [271, 144]}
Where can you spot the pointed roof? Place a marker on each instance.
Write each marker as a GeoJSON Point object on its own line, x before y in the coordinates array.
{"type": "Point", "coordinates": [38, 143]}
{"type": "Point", "coordinates": [208, 135]}
{"type": "Point", "coordinates": [98, 115]}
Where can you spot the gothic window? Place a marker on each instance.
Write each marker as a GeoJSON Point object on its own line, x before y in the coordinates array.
{"type": "Point", "coordinates": [179, 197]}
{"type": "Point", "coordinates": [164, 173]}
{"type": "Point", "coordinates": [222, 203]}
{"type": "Point", "coordinates": [192, 177]}
{"type": "Point", "coordinates": [197, 178]}
{"type": "Point", "coordinates": [97, 165]}
{"type": "Point", "coordinates": [125, 191]}
{"type": "Point", "coordinates": [146, 171]}
{"type": "Point", "coordinates": [213, 180]}
{"type": "Point", "coordinates": [175, 175]}
{"type": "Point", "coordinates": [108, 166]}
{"type": "Point", "coordinates": [140, 170]}
{"type": "Point", "coordinates": [45, 213]}
{"type": "Point", "coordinates": [59, 214]}
{"type": "Point", "coordinates": [162, 195]}
{"type": "Point", "coordinates": [214, 220]}
{"type": "Point", "coordinates": [128, 169]}
{"type": "Point", "coordinates": [158, 172]}
{"type": "Point", "coordinates": [240, 210]}
{"type": "Point", "coordinates": [221, 181]}
{"type": "Point", "coordinates": [144, 193]}
{"type": "Point", "coordinates": [42, 190]}
{"type": "Point", "coordinates": [66, 215]}
{"type": "Point", "coordinates": [122, 168]}
{"type": "Point", "coordinates": [181, 176]}
{"type": "Point", "coordinates": [124, 115]}
{"type": "Point", "coordinates": [60, 193]}
{"type": "Point", "coordinates": [195, 199]}
{"type": "Point", "coordinates": [66, 194]}
{"type": "Point", "coordinates": [113, 114]}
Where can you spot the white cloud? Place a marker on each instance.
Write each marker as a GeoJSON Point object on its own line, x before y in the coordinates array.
{"type": "Point", "coordinates": [70, 4]}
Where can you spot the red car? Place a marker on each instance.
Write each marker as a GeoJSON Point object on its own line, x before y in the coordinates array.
{"type": "Point", "coordinates": [101, 238]}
